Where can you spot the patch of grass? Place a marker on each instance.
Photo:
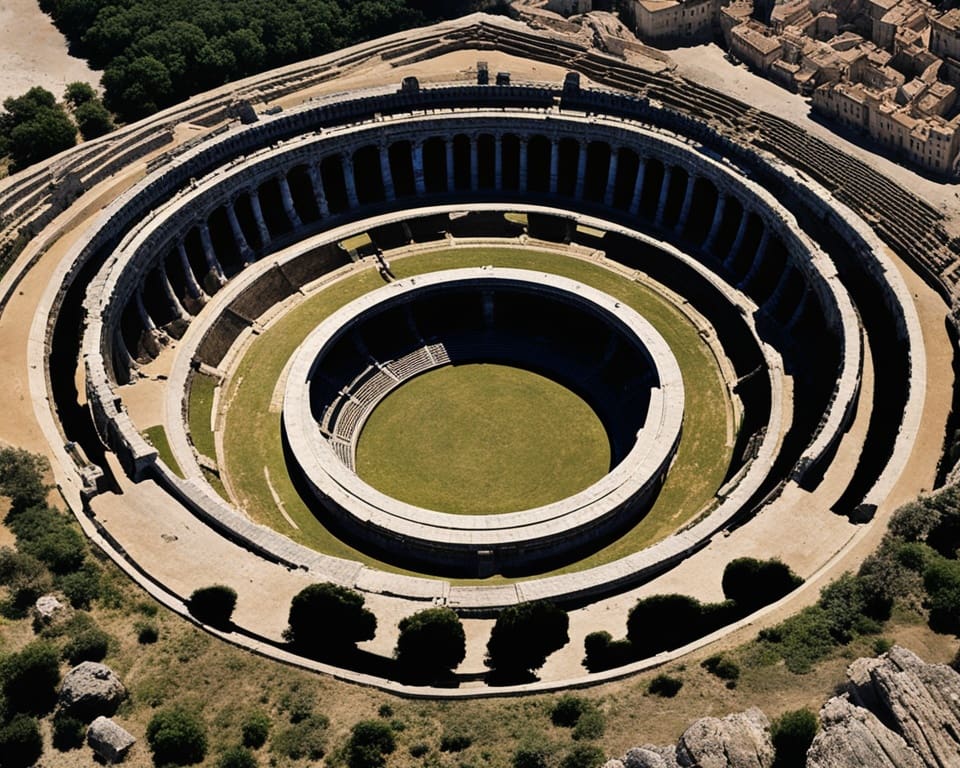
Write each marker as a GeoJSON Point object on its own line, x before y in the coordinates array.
{"type": "Point", "coordinates": [199, 410]}
{"type": "Point", "coordinates": [252, 435]}
{"type": "Point", "coordinates": [429, 442]}
{"type": "Point", "coordinates": [157, 436]}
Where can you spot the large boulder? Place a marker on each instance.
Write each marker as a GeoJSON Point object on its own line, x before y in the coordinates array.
{"type": "Point", "coordinates": [741, 740]}
{"type": "Point", "coordinates": [921, 701]}
{"type": "Point", "coordinates": [50, 611]}
{"type": "Point", "coordinates": [90, 689]}
{"type": "Point", "coordinates": [109, 740]}
{"type": "Point", "coordinates": [853, 737]}
{"type": "Point", "coordinates": [649, 756]}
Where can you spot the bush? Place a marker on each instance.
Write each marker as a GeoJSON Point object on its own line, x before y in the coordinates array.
{"type": "Point", "coordinates": [801, 640]}
{"type": "Point", "coordinates": [752, 583]}
{"type": "Point", "coordinates": [566, 712]}
{"type": "Point", "coordinates": [369, 742]}
{"type": "Point", "coordinates": [419, 749]}
{"type": "Point", "coordinates": [255, 729]}
{"type": "Point", "coordinates": [90, 644]}
{"type": "Point", "coordinates": [20, 742]}
{"type": "Point", "coordinates": [68, 732]}
{"type": "Point", "coordinates": [93, 119]}
{"type": "Point", "coordinates": [603, 652]}
{"type": "Point", "coordinates": [50, 537]}
{"type": "Point", "coordinates": [176, 737]}
{"type": "Point", "coordinates": [298, 702]}
{"type": "Point", "coordinates": [431, 642]}
{"type": "Point", "coordinates": [583, 756]}
{"type": "Point", "coordinates": [590, 725]}
{"type": "Point", "coordinates": [664, 622]}
{"type": "Point", "coordinates": [792, 734]}
{"type": "Point", "coordinates": [82, 586]}
{"type": "Point", "coordinates": [455, 742]}
{"type": "Point", "coordinates": [524, 635]}
{"type": "Point", "coordinates": [942, 582]}
{"type": "Point", "coordinates": [30, 678]}
{"type": "Point", "coordinates": [722, 667]}
{"type": "Point", "coordinates": [665, 686]}
{"type": "Point", "coordinates": [147, 632]}
{"type": "Point", "coordinates": [845, 606]}
{"type": "Point", "coordinates": [530, 757]}
{"type": "Point", "coordinates": [21, 478]}
{"type": "Point", "coordinates": [237, 757]}
{"type": "Point", "coordinates": [327, 619]}
{"type": "Point", "coordinates": [26, 578]}
{"type": "Point", "coordinates": [304, 739]}
{"type": "Point", "coordinates": [213, 605]}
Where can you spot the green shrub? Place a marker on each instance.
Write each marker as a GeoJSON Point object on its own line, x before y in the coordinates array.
{"type": "Point", "coordinates": [941, 579]}
{"type": "Point", "coordinates": [664, 622]}
{"type": "Point", "coordinates": [531, 756]}
{"type": "Point", "coordinates": [455, 742]}
{"type": "Point", "coordinates": [722, 667]}
{"type": "Point", "coordinates": [370, 741]}
{"type": "Point", "coordinates": [792, 734]}
{"type": "Point", "coordinates": [845, 607]}
{"type": "Point", "coordinates": [298, 702]}
{"type": "Point", "coordinates": [524, 635]}
{"type": "Point", "coordinates": [567, 710]}
{"type": "Point", "coordinates": [583, 756]}
{"type": "Point", "coordinates": [753, 583]}
{"type": "Point", "coordinates": [237, 757]}
{"type": "Point", "coordinates": [213, 605]}
{"type": "Point", "coordinates": [327, 619]}
{"type": "Point", "coordinates": [21, 478]}
{"type": "Point", "coordinates": [176, 737]}
{"type": "Point", "coordinates": [20, 742]}
{"type": "Point", "coordinates": [90, 644]}
{"type": "Point", "coordinates": [68, 732]}
{"type": "Point", "coordinates": [147, 632]}
{"type": "Point", "coordinates": [590, 725]}
{"type": "Point", "coordinates": [304, 739]}
{"type": "Point", "coordinates": [801, 640]}
{"type": "Point", "coordinates": [881, 645]}
{"type": "Point", "coordinates": [665, 686]}
{"type": "Point", "coordinates": [431, 642]}
{"type": "Point", "coordinates": [50, 537]}
{"type": "Point", "coordinates": [385, 710]}
{"type": "Point", "coordinates": [255, 729]}
{"type": "Point", "coordinates": [25, 577]}
{"type": "Point", "coordinates": [603, 652]}
{"type": "Point", "coordinates": [30, 678]}
{"type": "Point", "coordinates": [82, 586]}
{"type": "Point", "coordinates": [419, 749]}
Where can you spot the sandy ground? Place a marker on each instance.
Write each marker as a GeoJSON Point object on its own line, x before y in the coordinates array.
{"type": "Point", "coordinates": [33, 52]}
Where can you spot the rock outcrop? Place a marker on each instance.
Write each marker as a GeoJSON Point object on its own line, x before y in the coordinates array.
{"type": "Point", "coordinates": [649, 756]}
{"type": "Point", "coordinates": [90, 689]}
{"type": "Point", "coordinates": [853, 737]}
{"type": "Point", "coordinates": [109, 740]}
{"type": "Point", "coordinates": [741, 740]}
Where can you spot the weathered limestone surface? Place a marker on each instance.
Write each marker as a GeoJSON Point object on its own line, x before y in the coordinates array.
{"type": "Point", "coordinates": [649, 756]}
{"type": "Point", "coordinates": [109, 740]}
{"type": "Point", "coordinates": [740, 740]}
{"type": "Point", "coordinates": [91, 689]}
{"type": "Point", "coordinates": [853, 737]}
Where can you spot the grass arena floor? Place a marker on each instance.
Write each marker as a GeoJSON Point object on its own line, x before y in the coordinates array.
{"type": "Point", "coordinates": [252, 446]}
{"type": "Point", "coordinates": [482, 439]}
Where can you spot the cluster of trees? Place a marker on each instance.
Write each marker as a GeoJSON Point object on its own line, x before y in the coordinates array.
{"type": "Point", "coordinates": [157, 52]}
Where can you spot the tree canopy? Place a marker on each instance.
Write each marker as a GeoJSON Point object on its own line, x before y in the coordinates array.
{"type": "Point", "coordinates": [34, 127]}
{"type": "Point", "coordinates": [325, 618]}
{"type": "Point", "coordinates": [431, 641]}
{"type": "Point", "coordinates": [524, 635]}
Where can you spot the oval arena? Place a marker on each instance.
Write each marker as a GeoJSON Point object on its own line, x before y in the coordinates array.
{"type": "Point", "coordinates": [582, 193]}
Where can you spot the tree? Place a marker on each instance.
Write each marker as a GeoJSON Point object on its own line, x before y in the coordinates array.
{"type": "Point", "coordinates": [753, 583]}
{"type": "Point", "coordinates": [792, 733]}
{"type": "Point", "coordinates": [369, 741]}
{"type": "Point", "coordinates": [524, 635]}
{"type": "Point", "coordinates": [176, 737]}
{"type": "Point", "coordinates": [22, 472]}
{"type": "Point", "coordinates": [35, 127]}
{"type": "Point", "coordinates": [93, 119]}
{"type": "Point", "coordinates": [237, 757]}
{"type": "Point", "coordinates": [25, 577]}
{"type": "Point", "coordinates": [328, 619]}
{"type": "Point", "coordinates": [663, 622]}
{"type": "Point", "coordinates": [30, 678]}
{"type": "Point", "coordinates": [431, 642]}
{"type": "Point", "coordinates": [213, 605]}
{"type": "Point", "coordinates": [20, 742]}
{"type": "Point", "coordinates": [78, 93]}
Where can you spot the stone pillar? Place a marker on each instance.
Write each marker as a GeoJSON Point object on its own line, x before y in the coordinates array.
{"type": "Point", "coordinates": [738, 240]}
{"type": "Point", "coordinates": [524, 162]}
{"type": "Point", "coordinates": [142, 311]}
{"type": "Point", "coordinates": [287, 198]}
{"type": "Point", "coordinates": [451, 171]}
{"type": "Point", "coordinates": [611, 177]}
{"type": "Point", "coordinates": [246, 252]}
{"type": "Point", "coordinates": [798, 312]}
{"type": "Point", "coordinates": [638, 188]}
{"type": "Point", "coordinates": [209, 254]}
{"type": "Point", "coordinates": [121, 345]}
{"type": "Point", "coordinates": [316, 181]}
{"type": "Point", "coordinates": [775, 298]}
{"type": "Point", "coordinates": [715, 224]}
{"type": "Point", "coordinates": [581, 170]}
{"type": "Point", "coordinates": [258, 218]}
{"type": "Point", "coordinates": [664, 194]}
{"type": "Point", "coordinates": [498, 162]}
{"type": "Point", "coordinates": [418, 179]}
{"type": "Point", "coordinates": [386, 174]}
{"type": "Point", "coordinates": [554, 165]}
{"type": "Point", "coordinates": [757, 260]}
{"type": "Point", "coordinates": [346, 162]}
{"type": "Point", "coordinates": [192, 285]}
{"type": "Point", "coordinates": [171, 295]}
{"type": "Point", "coordinates": [474, 162]}
{"type": "Point", "coordinates": [687, 203]}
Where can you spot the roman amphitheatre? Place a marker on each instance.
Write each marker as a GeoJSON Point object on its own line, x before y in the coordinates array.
{"type": "Point", "coordinates": [229, 314]}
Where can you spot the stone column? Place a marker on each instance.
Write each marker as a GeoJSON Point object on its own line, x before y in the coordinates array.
{"type": "Point", "coordinates": [581, 170]}
{"type": "Point", "coordinates": [346, 162]}
{"type": "Point", "coordinates": [286, 198]}
{"type": "Point", "coordinates": [142, 311]}
{"type": "Point", "coordinates": [664, 194]}
{"type": "Point", "coordinates": [209, 254]}
{"type": "Point", "coordinates": [316, 181]}
{"type": "Point", "coordinates": [451, 171]}
{"type": "Point", "coordinates": [775, 298]}
{"type": "Point", "coordinates": [262, 229]}
{"type": "Point", "coordinates": [638, 188]}
{"type": "Point", "coordinates": [687, 203]}
{"type": "Point", "coordinates": [738, 240]}
{"type": "Point", "coordinates": [192, 285]}
{"type": "Point", "coordinates": [757, 260]}
{"type": "Point", "coordinates": [246, 252]}
{"type": "Point", "coordinates": [524, 163]}
{"type": "Point", "coordinates": [121, 345]}
{"type": "Point", "coordinates": [611, 177]}
{"type": "Point", "coordinates": [474, 162]}
{"type": "Point", "coordinates": [418, 179]}
{"type": "Point", "coordinates": [171, 295]}
{"type": "Point", "coordinates": [715, 224]}
{"type": "Point", "coordinates": [386, 174]}
{"type": "Point", "coordinates": [498, 162]}
{"type": "Point", "coordinates": [554, 165]}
